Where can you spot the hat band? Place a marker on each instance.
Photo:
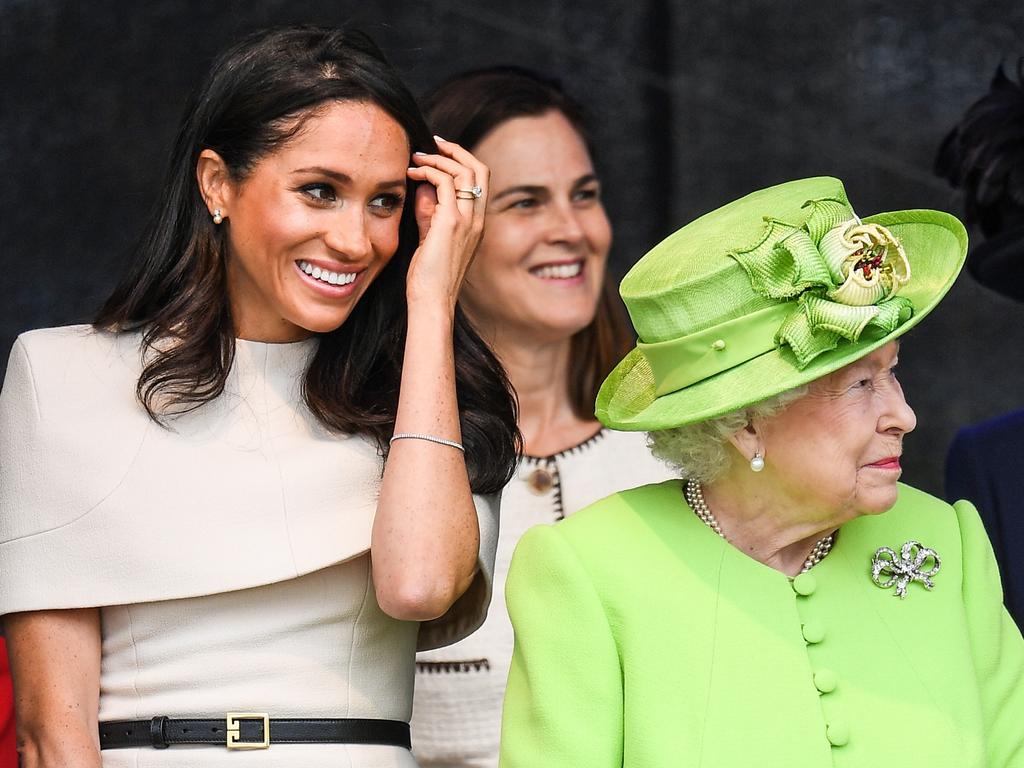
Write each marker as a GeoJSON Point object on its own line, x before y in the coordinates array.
{"type": "Point", "coordinates": [678, 363]}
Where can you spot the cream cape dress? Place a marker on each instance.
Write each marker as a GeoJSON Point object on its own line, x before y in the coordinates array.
{"type": "Point", "coordinates": [228, 552]}
{"type": "Point", "coordinates": [457, 707]}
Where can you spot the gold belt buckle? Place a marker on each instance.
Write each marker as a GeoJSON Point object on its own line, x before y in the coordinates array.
{"type": "Point", "coordinates": [234, 730]}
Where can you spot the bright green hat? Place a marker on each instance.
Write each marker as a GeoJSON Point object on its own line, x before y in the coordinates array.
{"type": "Point", "coordinates": [770, 292]}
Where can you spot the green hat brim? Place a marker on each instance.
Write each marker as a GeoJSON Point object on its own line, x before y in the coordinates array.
{"type": "Point", "coordinates": [936, 246]}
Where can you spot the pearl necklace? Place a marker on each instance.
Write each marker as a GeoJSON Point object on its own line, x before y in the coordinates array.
{"type": "Point", "coordinates": [695, 498]}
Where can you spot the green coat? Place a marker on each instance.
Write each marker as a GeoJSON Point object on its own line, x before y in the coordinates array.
{"type": "Point", "coordinates": [643, 640]}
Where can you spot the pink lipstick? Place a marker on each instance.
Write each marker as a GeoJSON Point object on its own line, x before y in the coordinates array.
{"type": "Point", "coordinates": [890, 462]}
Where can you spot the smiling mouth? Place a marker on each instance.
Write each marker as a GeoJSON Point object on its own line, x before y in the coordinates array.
{"type": "Point", "coordinates": [564, 271]}
{"type": "Point", "coordinates": [326, 276]}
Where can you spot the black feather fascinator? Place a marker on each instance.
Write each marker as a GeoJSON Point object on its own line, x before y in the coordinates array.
{"type": "Point", "coordinates": [984, 157]}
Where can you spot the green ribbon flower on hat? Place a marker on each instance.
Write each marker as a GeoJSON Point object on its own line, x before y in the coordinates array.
{"type": "Point", "coordinates": [843, 274]}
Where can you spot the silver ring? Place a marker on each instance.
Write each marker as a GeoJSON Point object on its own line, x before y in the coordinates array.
{"type": "Point", "coordinates": [469, 194]}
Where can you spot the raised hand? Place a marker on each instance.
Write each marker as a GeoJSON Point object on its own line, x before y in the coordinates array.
{"type": "Point", "coordinates": [450, 213]}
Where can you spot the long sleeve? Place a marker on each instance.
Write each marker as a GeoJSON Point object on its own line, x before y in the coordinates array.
{"type": "Point", "coordinates": [996, 644]}
{"type": "Point", "coordinates": [986, 466]}
{"type": "Point", "coordinates": [563, 703]}
{"type": "Point", "coordinates": [965, 474]}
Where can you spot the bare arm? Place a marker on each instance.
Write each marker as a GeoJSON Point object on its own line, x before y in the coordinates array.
{"type": "Point", "coordinates": [55, 664]}
{"type": "Point", "coordinates": [425, 535]}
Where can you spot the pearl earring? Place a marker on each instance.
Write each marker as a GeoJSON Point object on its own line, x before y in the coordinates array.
{"type": "Point", "coordinates": [217, 217]}
{"type": "Point", "coordinates": [757, 463]}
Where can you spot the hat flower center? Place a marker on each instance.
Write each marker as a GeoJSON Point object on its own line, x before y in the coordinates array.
{"type": "Point", "coordinates": [867, 262]}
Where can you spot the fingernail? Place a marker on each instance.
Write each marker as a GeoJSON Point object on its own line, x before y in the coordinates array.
{"type": "Point", "coordinates": [438, 138]}
{"type": "Point", "coordinates": [419, 153]}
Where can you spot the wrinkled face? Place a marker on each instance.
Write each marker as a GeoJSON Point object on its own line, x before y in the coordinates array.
{"type": "Point", "coordinates": [315, 222]}
{"type": "Point", "coordinates": [836, 450]}
{"type": "Point", "coordinates": [538, 270]}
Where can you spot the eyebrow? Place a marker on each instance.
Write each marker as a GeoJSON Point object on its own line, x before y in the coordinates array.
{"type": "Point", "coordinates": [344, 178]}
{"type": "Point", "coordinates": [862, 367]}
{"type": "Point", "coordinates": [534, 189]}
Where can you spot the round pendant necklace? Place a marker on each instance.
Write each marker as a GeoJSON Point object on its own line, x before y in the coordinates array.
{"type": "Point", "coordinates": [695, 498]}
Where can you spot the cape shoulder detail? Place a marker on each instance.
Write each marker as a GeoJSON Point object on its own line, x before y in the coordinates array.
{"type": "Point", "coordinates": [100, 505]}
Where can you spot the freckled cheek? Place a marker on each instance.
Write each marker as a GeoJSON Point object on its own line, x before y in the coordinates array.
{"type": "Point", "coordinates": [294, 227]}
{"type": "Point", "coordinates": [384, 240]}
{"type": "Point", "coordinates": [273, 232]}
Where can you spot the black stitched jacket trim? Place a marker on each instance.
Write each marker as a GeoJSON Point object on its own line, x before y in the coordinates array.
{"type": "Point", "coordinates": [444, 667]}
{"type": "Point", "coordinates": [559, 506]}
{"type": "Point", "coordinates": [550, 463]}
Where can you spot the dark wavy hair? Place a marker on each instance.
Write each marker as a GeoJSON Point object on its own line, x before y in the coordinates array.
{"type": "Point", "coordinates": [984, 155]}
{"type": "Point", "coordinates": [255, 98]}
{"type": "Point", "coordinates": [469, 106]}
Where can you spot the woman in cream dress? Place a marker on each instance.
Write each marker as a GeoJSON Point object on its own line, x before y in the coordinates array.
{"type": "Point", "coordinates": [536, 291]}
{"type": "Point", "coordinates": [190, 489]}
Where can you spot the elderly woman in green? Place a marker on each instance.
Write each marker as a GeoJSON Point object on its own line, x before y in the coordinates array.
{"type": "Point", "coordinates": [788, 604]}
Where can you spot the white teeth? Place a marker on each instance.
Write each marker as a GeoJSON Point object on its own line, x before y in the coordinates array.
{"type": "Point", "coordinates": [326, 276]}
{"type": "Point", "coordinates": [559, 271]}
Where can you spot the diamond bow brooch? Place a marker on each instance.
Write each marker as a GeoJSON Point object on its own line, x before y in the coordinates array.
{"type": "Point", "coordinates": [914, 562]}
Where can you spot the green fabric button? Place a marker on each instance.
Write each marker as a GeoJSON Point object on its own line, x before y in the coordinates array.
{"type": "Point", "coordinates": [814, 631]}
{"type": "Point", "coordinates": [838, 733]}
{"type": "Point", "coordinates": [805, 584]}
{"type": "Point", "coordinates": [825, 680]}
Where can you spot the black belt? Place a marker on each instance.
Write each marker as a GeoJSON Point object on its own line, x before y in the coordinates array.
{"type": "Point", "coordinates": [251, 730]}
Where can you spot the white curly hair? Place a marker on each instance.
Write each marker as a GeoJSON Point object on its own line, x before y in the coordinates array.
{"type": "Point", "coordinates": [701, 450]}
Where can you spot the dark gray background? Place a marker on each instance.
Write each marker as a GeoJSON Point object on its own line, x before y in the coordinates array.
{"type": "Point", "coordinates": [696, 102]}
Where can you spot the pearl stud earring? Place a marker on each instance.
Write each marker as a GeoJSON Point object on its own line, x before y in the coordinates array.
{"type": "Point", "coordinates": [217, 216]}
{"type": "Point", "coordinates": [757, 463]}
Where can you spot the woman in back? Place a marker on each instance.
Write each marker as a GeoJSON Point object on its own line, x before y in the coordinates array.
{"type": "Point", "coordinates": [536, 292]}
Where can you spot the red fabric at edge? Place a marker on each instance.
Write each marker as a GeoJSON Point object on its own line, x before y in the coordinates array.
{"type": "Point", "coordinates": [8, 756]}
